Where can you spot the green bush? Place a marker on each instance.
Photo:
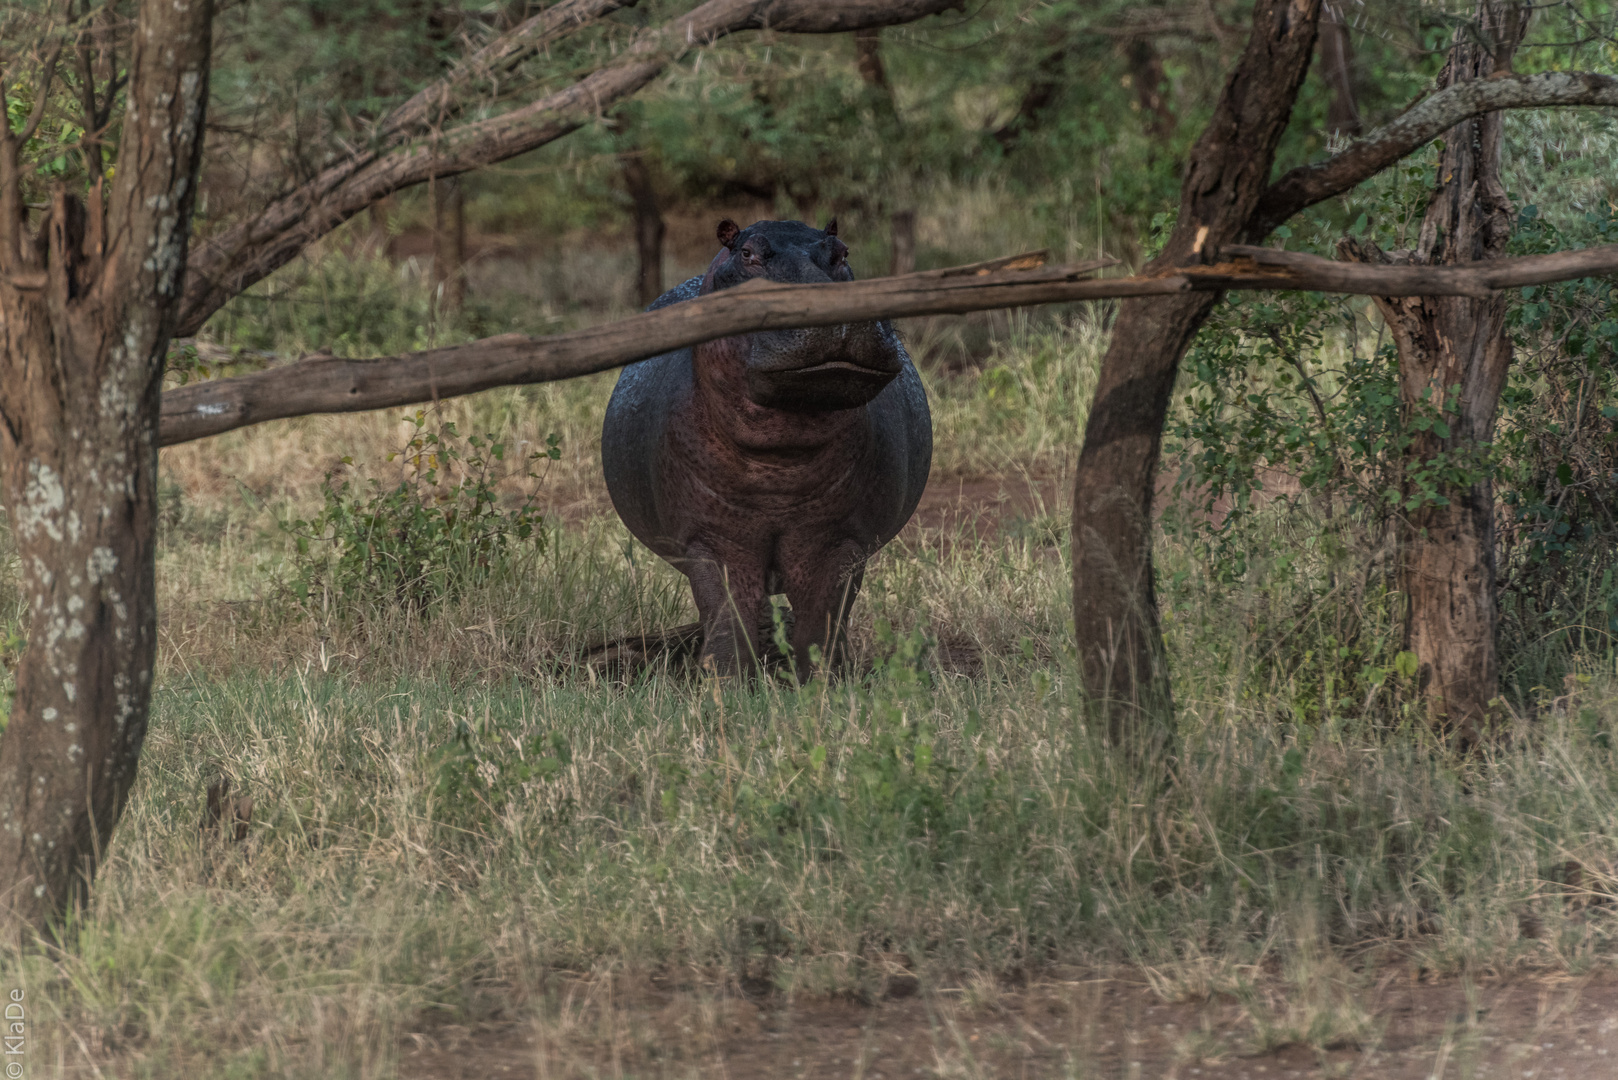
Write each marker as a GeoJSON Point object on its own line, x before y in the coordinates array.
{"type": "Point", "coordinates": [439, 531]}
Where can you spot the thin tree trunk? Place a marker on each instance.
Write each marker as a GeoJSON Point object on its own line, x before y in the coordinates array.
{"type": "Point", "coordinates": [902, 223]}
{"type": "Point", "coordinates": [449, 244]}
{"type": "Point", "coordinates": [1337, 68]}
{"type": "Point", "coordinates": [1147, 75]}
{"type": "Point", "coordinates": [86, 310]}
{"type": "Point", "coordinates": [649, 227]}
{"type": "Point", "coordinates": [868, 56]}
{"type": "Point", "coordinates": [903, 260]}
{"type": "Point", "coordinates": [1115, 617]}
{"type": "Point", "coordinates": [1454, 353]}
{"type": "Point", "coordinates": [381, 215]}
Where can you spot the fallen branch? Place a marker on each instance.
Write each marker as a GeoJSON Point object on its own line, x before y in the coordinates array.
{"type": "Point", "coordinates": [328, 385]}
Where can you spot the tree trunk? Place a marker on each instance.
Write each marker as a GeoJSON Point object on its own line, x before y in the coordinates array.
{"type": "Point", "coordinates": [649, 228]}
{"type": "Point", "coordinates": [1337, 68]}
{"type": "Point", "coordinates": [86, 310]}
{"type": "Point", "coordinates": [449, 245]}
{"type": "Point", "coordinates": [903, 260]}
{"type": "Point", "coordinates": [1147, 75]}
{"type": "Point", "coordinates": [1114, 607]}
{"type": "Point", "coordinates": [1454, 353]}
{"type": "Point", "coordinates": [381, 215]}
{"type": "Point", "coordinates": [868, 56]}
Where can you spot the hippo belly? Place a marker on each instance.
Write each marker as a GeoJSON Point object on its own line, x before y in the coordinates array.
{"type": "Point", "coordinates": [668, 490]}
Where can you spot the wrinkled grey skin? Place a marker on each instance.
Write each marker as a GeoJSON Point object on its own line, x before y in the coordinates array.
{"type": "Point", "coordinates": [774, 462]}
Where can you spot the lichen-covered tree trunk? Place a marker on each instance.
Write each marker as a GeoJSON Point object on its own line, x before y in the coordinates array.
{"type": "Point", "coordinates": [1454, 353]}
{"type": "Point", "coordinates": [1447, 551]}
{"type": "Point", "coordinates": [87, 305]}
{"type": "Point", "coordinates": [1114, 608]}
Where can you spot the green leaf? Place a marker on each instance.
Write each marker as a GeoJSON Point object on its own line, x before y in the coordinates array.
{"type": "Point", "coordinates": [1406, 664]}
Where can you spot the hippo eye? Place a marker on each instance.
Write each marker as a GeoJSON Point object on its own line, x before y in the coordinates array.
{"type": "Point", "coordinates": [750, 256]}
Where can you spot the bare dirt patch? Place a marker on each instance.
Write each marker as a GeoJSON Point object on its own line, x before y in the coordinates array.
{"type": "Point", "coordinates": [1530, 1027]}
{"type": "Point", "coordinates": [988, 504]}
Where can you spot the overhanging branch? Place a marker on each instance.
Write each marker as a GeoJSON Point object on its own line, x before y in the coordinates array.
{"type": "Point", "coordinates": [438, 102]}
{"type": "Point", "coordinates": [1423, 122]}
{"type": "Point", "coordinates": [224, 265]}
{"type": "Point", "coordinates": [329, 385]}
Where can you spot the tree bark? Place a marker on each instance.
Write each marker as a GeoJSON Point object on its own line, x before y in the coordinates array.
{"type": "Point", "coordinates": [1147, 75]}
{"type": "Point", "coordinates": [902, 222]}
{"type": "Point", "coordinates": [381, 221]}
{"type": "Point", "coordinates": [1454, 353]}
{"type": "Point", "coordinates": [868, 57]}
{"type": "Point", "coordinates": [86, 310]}
{"type": "Point", "coordinates": [902, 258]}
{"type": "Point", "coordinates": [1115, 617]}
{"type": "Point", "coordinates": [1337, 68]}
{"type": "Point", "coordinates": [649, 227]}
{"type": "Point", "coordinates": [449, 245]}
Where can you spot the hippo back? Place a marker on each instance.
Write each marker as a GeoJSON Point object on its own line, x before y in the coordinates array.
{"type": "Point", "coordinates": [650, 392]}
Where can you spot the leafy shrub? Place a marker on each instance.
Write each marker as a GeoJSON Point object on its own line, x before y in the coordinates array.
{"type": "Point", "coordinates": [1559, 437]}
{"type": "Point", "coordinates": [439, 531]}
{"type": "Point", "coordinates": [1298, 388]}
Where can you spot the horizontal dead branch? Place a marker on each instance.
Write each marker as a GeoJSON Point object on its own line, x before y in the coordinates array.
{"type": "Point", "coordinates": [324, 384]}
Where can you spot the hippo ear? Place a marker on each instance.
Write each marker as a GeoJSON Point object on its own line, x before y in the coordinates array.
{"type": "Point", "coordinates": [831, 227]}
{"type": "Point", "coordinates": [727, 232]}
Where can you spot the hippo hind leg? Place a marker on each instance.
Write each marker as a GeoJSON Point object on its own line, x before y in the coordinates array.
{"type": "Point", "coordinates": [823, 588]}
{"type": "Point", "coordinates": [730, 600]}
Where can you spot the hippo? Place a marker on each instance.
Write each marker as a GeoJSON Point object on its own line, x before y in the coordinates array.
{"type": "Point", "coordinates": [773, 462]}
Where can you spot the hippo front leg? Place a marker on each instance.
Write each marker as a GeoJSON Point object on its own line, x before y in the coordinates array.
{"type": "Point", "coordinates": [730, 600]}
{"type": "Point", "coordinates": [822, 588]}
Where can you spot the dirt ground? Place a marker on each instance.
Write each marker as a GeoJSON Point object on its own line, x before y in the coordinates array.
{"type": "Point", "coordinates": [991, 502]}
{"type": "Point", "coordinates": [1528, 1027]}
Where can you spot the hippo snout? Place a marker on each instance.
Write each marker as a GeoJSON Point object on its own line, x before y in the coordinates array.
{"type": "Point", "coordinates": [823, 368]}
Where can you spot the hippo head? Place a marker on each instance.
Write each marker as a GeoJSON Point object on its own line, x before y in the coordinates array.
{"type": "Point", "coordinates": [812, 370]}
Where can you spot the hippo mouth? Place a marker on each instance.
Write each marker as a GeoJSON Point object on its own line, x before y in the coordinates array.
{"type": "Point", "coordinates": [825, 387]}
{"type": "Point", "coordinates": [842, 365]}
